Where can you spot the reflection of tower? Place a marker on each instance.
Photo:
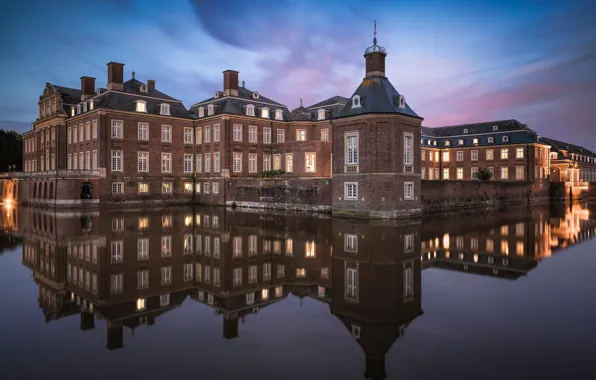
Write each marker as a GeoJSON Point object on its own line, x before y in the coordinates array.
{"type": "Point", "coordinates": [376, 285]}
{"type": "Point", "coordinates": [230, 326]}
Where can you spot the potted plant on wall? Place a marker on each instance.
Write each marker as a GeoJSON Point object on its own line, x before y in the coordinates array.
{"type": "Point", "coordinates": [484, 174]}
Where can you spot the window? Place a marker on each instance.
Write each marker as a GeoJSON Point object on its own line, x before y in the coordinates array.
{"type": "Point", "coordinates": [409, 190]}
{"type": "Point", "coordinates": [352, 283]}
{"type": "Point", "coordinates": [87, 132]}
{"type": "Point", "coordinates": [206, 188]}
{"type": "Point", "coordinates": [69, 162]}
{"type": "Point", "coordinates": [187, 271]}
{"type": "Point", "coordinates": [210, 109]}
{"type": "Point", "coordinates": [141, 106]}
{"type": "Point", "coordinates": [474, 155]}
{"type": "Point", "coordinates": [430, 156]}
{"type": "Point", "coordinates": [143, 249]}
{"type": "Point", "coordinates": [252, 134]}
{"type": "Point", "coordinates": [237, 277]}
{"type": "Point", "coordinates": [116, 252]}
{"type": "Point", "coordinates": [116, 161]}
{"type": "Point", "coordinates": [69, 135]}
{"type": "Point", "coordinates": [94, 163]}
{"type": "Point", "coordinates": [281, 136]}
{"type": "Point", "coordinates": [474, 173]}
{"type": "Point", "coordinates": [408, 139]}
{"type": "Point", "coordinates": [504, 172]}
{"type": "Point", "coordinates": [143, 131]}
{"type": "Point", "coordinates": [351, 243]}
{"type": "Point", "coordinates": [321, 115]}
{"type": "Point", "coordinates": [309, 159]}
{"type": "Point", "coordinates": [81, 134]}
{"type": "Point", "coordinates": [325, 134]}
{"type": "Point", "coordinates": [460, 155]}
{"type": "Point", "coordinates": [188, 163]}
{"type": "Point", "coordinates": [266, 162]}
{"type": "Point", "coordinates": [447, 143]}
{"type": "Point", "coordinates": [188, 136]}
{"type": "Point", "coordinates": [266, 135]}
{"type": "Point", "coordinates": [489, 154]}
{"type": "Point", "coordinates": [460, 142]}
{"type": "Point", "coordinates": [422, 170]}
{"type": "Point", "coordinates": [408, 283]}
{"type": "Point", "coordinates": [166, 162]}
{"type": "Point", "coordinates": [300, 272]}
{"type": "Point", "coordinates": [188, 187]}
{"type": "Point", "coordinates": [252, 274]}
{"type": "Point", "coordinates": [164, 300]}
{"type": "Point", "coordinates": [460, 173]}
{"type": "Point", "coordinates": [437, 156]}
{"type": "Point", "coordinates": [216, 162]}
{"type": "Point", "coordinates": [166, 133]}
{"type": "Point", "coordinates": [279, 115]}
{"type": "Point", "coordinates": [445, 173]}
{"type": "Point", "coordinates": [214, 190]}
{"type": "Point", "coordinates": [166, 246]}
{"type": "Point", "coordinates": [309, 249]}
{"type": "Point", "coordinates": [81, 161]}
{"type": "Point", "coordinates": [289, 162]}
{"type": "Point", "coordinates": [166, 187]}
{"type": "Point", "coordinates": [445, 156]}
{"type": "Point", "coordinates": [252, 162]}
{"type": "Point", "coordinates": [250, 110]}
{"type": "Point", "coordinates": [351, 190]}
{"type": "Point", "coordinates": [505, 138]}
{"type": "Point", "coordinates": [519, 172]}
{"type": "Point", "coordinates": [237, 132]}
{"type": "Point", "coordinates": [199, 163]}
{"type": "Point", "coordinates": [216, 133]}
{"type": "Point", "coordinates": [519, 152]}
{"type": "Point", "coordinates": [504, 153]}
{"type": "Point", "coordinates": [301, 135]}
{"type": "Point", "coordinates": [143, 163]}
{"type": "Point", "coordinates": [143, 187]}
{"type": "Point", "coordinates": [116, 130]}
{"type": "Point", "coordinates": [164, 109]}
{"type": "Point", "coordinates": [116, 283]}
{"type": "Point", "coordinates": [491, 140]}
{"type": "Point", "coordinates": [207, 135]}
{"type": "Point", "coordinates": [276, 161]}
{"type": "Point", "coordinates": [356, 101]}
{"type": "Point", "coordinates": [237, 164]}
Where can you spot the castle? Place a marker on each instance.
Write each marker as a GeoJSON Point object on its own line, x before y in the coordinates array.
{"type": "Point", "coordinates": [366, 155]}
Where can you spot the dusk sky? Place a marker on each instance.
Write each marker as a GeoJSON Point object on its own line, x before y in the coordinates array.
{"type": "Point", "coordinates": [455, 61]}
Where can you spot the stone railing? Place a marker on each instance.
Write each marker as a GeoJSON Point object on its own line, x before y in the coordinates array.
{"type": "Point", "coordinates": [65, 173]}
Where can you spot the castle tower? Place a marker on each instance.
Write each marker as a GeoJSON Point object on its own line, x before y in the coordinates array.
{"type": "Point", "coordinates": [376, 149]}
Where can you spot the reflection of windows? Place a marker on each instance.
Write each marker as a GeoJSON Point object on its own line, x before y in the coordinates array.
{"type": "Point", "coordinates": [408, 284]}
{"type": "Point", "coordinates": [166, 275]}
{"type": "Point", "coordinates": [310, 249]}
{"type": "Point", "coordinates": [142, 279]}
{"type": "Point", "coordinates": [351, 243]}
{"type": "Point", "coordinates": [143, 249]}
{"type": "Point", "coordinates": [188, 244]}
{"type": "Point", "coordinates": [116, 254]}
{"type": "Point", "coordinates": [266, 271]}
{"type": "Point", "coordinates": [300, 272]}
{"type": "Point", "coordinates": [237, 246]}
{"type": "Point", "coordinates": [252, 274]}
{"type": "Point", "coordinates": [141, 304]}
{"type": "Point", "coordinates": [279, 291]}
{"type": "Point", "coordinates": [289, 246]}
{"type": "Point", "coordinates": [409, 243]}
{"type": "Point", "coordinates": [351, 283]}
{"type": "Point", "coordinates": [250, 298]}
{"type": "Point", "coordinates": [166, 246]}
{"type": "Point", "coordinates": [188, 272]}
{"type": "Point", "coordinates": [281, 270]}
{"type": "Point", "coordinates": [310, 161]}
{"type": "Point", "coordinates": [252, 245]}
{"type": "Point", "coordinates": [325, 273]}
{"type": "Point", "coordinates": [164, 300]}
{"type": "Point", "coordinates": [237, 277]}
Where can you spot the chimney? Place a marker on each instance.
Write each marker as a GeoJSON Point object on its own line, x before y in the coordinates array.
{"type": "Point", "coordinates": [87, 87]}
{"type": "Point", "coordinates": [151, 84]}
{"type": "Point", "coordinates": [115, 76]}
{"type": "Point", "coordinates": [115, 338]}
{"type": "Point", "coordinates": [230, 327]}
{"type": "Point", "coordinates": [230, 80]}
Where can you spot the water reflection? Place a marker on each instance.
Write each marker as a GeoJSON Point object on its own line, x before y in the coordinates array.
{"type": "Point", "coordinates": [127, 268]}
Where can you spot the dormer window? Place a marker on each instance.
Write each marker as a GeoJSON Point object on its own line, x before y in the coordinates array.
{"type": "Point", "coordinates": [465, 130]}
{"type": "Point", "coordinates": [265, 113]}
{"type": "Point", "coordinates": [495, 128]}
{"type": "Point", "coordinates": [201, 111]}
{"type": "Point", "coordinates": [210, 109]}
{"type": "Point", "coordinates": [435, 143]}
{"type": "Point", "coordinates": [460, 142]}
{"type": "Point", "coordinates": [91, 105]}
{"type": "Point", "coordinates": [279, 115]}
{"type": "Point", "coordinates": [216, 94]}
{"type": "Point", "coordinates": [72, 111]}
{"type": "Point", "coordinates": [250, 110]}
{"type": "Point", "coordinates": [321, 115]}
{"type": "Point", "coordinates": [505, 138]}
{"type": "Point", "coordinates": [356, 101]}
{"type": "Point", "coordinates": [78, 108]}
{"type": "Point", "coordinates": [475, 141]}
{"type": "Point", "coordinates": [164, 109]}
{"type": "Point", "coordinates": [491, 140]}
{"type": "Point", "coordinates": [402, 101]}
{"type": "Point", "coordinates": [255, 95]}
{"type": "Point", "coordinates": [143, 88]}
{"type": "Point", "coordinates": [430, 142]}
{"type": "Point", "coordinates": [447, 143]}
{"type": "Point", "coordinates": [141, 106]}
{"type": "Point", "coordinates": [85, 107]}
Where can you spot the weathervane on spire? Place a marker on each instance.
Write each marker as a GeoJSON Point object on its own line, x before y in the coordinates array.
{"type": "Point", "coordinates": [375, 38]}
{"type": "Point", "coordinates": [301, 101]}
{"type": "Point", "coordinates": [133, 75]}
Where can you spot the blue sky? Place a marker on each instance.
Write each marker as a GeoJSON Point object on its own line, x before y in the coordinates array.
{"type": "Point", "coordinates": [456, 62]}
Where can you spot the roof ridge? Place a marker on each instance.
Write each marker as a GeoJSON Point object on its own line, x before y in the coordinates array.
{"type": "Point", "coordinates": [481, 122]}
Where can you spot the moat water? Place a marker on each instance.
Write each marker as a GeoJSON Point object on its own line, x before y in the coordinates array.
{"type": "Point", "coordinates": [189, 293]}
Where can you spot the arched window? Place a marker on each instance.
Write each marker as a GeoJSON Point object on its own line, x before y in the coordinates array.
{"type": "Point", "coordinates": [52, 190]}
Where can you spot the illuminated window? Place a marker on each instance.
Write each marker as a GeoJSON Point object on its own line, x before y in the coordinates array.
{"type": "Point", "coordinates": [143, 223]}
{"type": "Point", "coordinates": [289, 162]}
{"type": "Point", "coordinates": [301, 135]}
{"type": "Point", "coordinates": [310, 161]}
{"type": "Point", "coordinates": [445, 156]}
{"type": "Point", "coordinates": [300, 272]}
{"type": "Point", "coordinates": [446, 173]}
{"type": "Point", "coordinates": [141, 304]}
{"type": "Point", "coordinates": [279, 291]}
{"type": "Point", "coordinates": [166, 246]}
{"type": "Point", "coordinates": [310, 249]}
{"type": "Point", "coordinates": [143, 249]}
{"type": "Point", "coordinates": [519, 152]}
{"type": "Point", "coordinates": [141, 106]}
{"type": "Point", "coordinates": [504, 172]}
{"type": "Point", "coordinates": [460, 173]}
{"type": "Point", "coordinates": [504, 153]}
{"type": "Point", "coordinates": [166, 187]}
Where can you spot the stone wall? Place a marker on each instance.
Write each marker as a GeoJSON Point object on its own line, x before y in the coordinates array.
{"type": "Point", "coordinates": [290, 194]}
{"type": "Point", "coordinates": [444, 195]}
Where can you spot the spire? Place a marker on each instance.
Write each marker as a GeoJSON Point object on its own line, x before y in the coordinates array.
{"type": "Point", "coordinates": [133, 75]}
{"type": "Point", "coordinates": [301, 101]}
{"type": "Point", "coordinates": [243, 84]}
{"type": "Point", "coordinates": [375, 33]}
{"type": "Point", "coordinates": [375, 48]}
{"type": "Point", "coordinates": [375, 57]}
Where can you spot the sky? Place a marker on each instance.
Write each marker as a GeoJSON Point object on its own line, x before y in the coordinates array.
{"type": "Point", "coordinates": [455, 61]}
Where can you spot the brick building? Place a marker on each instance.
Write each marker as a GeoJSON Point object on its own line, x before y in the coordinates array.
{"type": "Point", "coordinates": [129, 143]}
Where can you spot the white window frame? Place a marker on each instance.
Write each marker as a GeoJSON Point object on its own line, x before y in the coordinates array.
{"type": "Point", "coordinates": [409, 184]}
{"type": "Point", "coordinates": [117, 160]}
{"type": "Point", "coordinates": [166, 162]}
{"type": "Point", "coordinates": [141, 106]}
{"type": "Point", "coordinates": [306, 162]}
{"type": "Point", "coordinates": [164, 109]}
{"type": "Point", "coordinates": [166, 133]}
{"type": "Point", "coordinates": [347, 191]}
{"type": "Point", "coordinates": [117, 130]}
{"type": "Point", "coordinates": [143, 162]}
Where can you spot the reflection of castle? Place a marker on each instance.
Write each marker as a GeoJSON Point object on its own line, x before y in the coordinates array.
{"type": "Point", "coordinates": [128, 268]}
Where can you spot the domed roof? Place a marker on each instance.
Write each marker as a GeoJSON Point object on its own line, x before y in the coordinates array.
{"type": "Point", "coordinates": [301, 114]}
{"type": "Point", "coordinates": [375, 48]}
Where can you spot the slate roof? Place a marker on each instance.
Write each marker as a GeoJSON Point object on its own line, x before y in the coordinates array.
{"type": "Point", "coordinates": [123, 101]}
{"type": "Point", "coordinates": [334, 100]}
{"type": "Point", "coordinates": [133, 86]}
{"type": "Point", "coordinates": [558, 146]}
{"type": "Point", "coordinates": [377, 95]}
{"type": "Point", "coordinates": [515, 132]}
{"type": "Point", "coordinates": [237, 105]}
{"type": "Point", "coordinates": [69, 95]}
